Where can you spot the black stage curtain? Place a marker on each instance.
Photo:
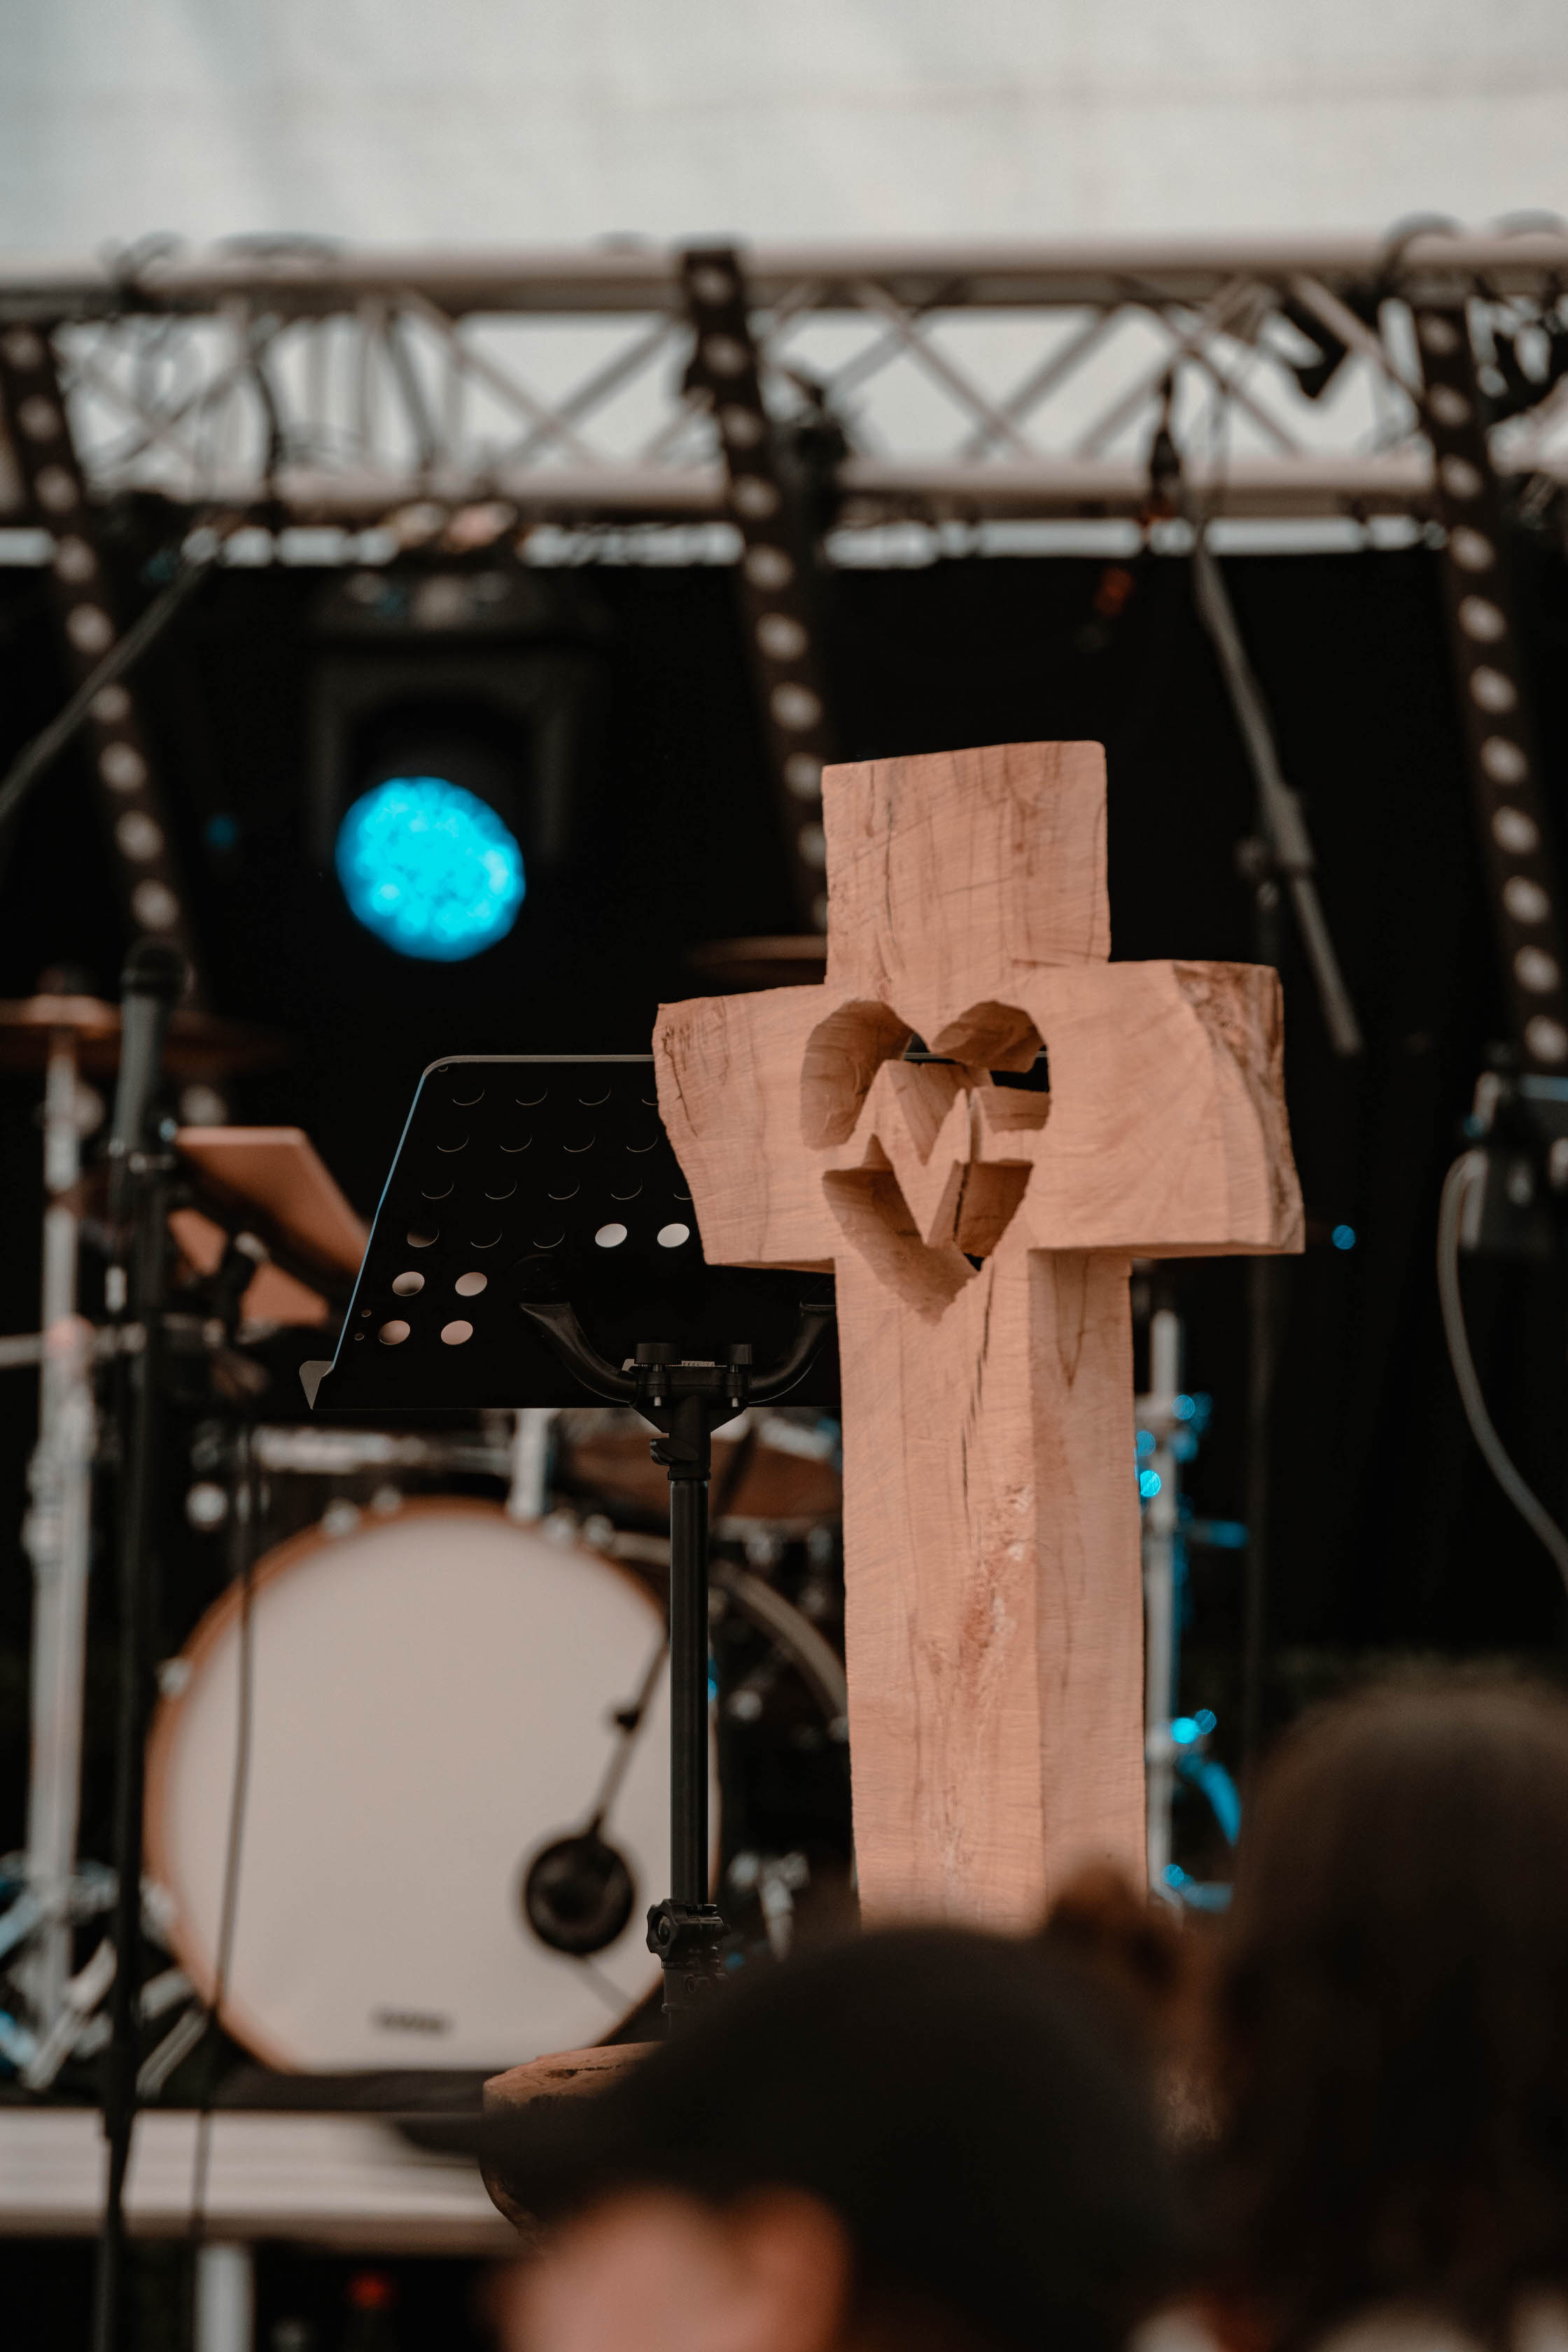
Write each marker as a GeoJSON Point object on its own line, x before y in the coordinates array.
{"type": "Point", "coordinates": [1387, 1533]}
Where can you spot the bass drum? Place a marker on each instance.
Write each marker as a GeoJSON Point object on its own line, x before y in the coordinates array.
{"type": "Point", "coordinates": [354, 1775]}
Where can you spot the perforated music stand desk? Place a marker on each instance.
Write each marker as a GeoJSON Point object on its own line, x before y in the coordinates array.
{"type": "Point", "coordinates": [544, 1176]}
{"type": "Point", "coordinates": [536, 1237]}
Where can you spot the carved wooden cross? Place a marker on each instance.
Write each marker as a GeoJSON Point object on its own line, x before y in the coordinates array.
{"type": "Point", "coordinates": [981, 1236]}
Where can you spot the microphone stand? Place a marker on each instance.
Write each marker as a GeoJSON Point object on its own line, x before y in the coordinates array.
{"type": "Point", "coordinates": [1279, 856]}
{"type": "Point", "coordinates": [140, 1174]}
{"type": "Point", "coordinates": [685, 1402]}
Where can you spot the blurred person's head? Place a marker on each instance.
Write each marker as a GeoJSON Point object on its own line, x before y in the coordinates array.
{"type": "Point", "coordinates": [1391, 2011]}
{"type": "Point", "coordinates": [1145, 1963]}
{"type": "Point", "coordinates": [918, 2140]}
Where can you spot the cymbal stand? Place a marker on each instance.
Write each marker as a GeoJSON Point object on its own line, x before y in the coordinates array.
{"type": "Point", "coordinates": [685, 1402]}
{"type": "Point", "coordinates": [1158, 1485]}
{"type": "Point", "coordinates": [58, 1534]}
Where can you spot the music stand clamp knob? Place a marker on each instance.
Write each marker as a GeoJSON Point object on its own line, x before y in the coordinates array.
{"type": "Point", "coordinates": [688, 1939]}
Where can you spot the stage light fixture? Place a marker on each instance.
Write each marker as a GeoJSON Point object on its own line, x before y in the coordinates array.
{"type": "Point", "coordinates": [430, 868]}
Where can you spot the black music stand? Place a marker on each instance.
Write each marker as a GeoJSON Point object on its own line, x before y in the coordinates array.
{"type": "Point", "coordinates": [536, 1245]}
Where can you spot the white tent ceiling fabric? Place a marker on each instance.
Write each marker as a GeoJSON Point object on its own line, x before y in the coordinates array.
{"type": "Point", "coordinates": [527, 122]}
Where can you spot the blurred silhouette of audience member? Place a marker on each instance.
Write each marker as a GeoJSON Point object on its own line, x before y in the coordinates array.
{"type": "Point", "coordinates": [920, 2141]}
{"type": "Point", "coordinates": [1391, 2029]}
{"type": "Point", "coordinates": [1147, 1963]}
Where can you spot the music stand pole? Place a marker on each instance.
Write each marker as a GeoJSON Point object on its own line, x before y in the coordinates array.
{"type": "Point", "coordinates": [685, 1402]}
{"type": "Point", "coordinates": [689, 1653]}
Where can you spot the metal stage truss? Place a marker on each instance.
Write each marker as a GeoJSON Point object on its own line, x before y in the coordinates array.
{"type": "Point", "coordinates": [299, 383]}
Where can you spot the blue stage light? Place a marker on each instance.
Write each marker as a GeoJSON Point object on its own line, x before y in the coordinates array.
{"type": "Point", "coordinates": [1344, 1238]}
{"type": "Point", "coordinates": [1148, 1484]}
{"type": "Point", "coordinates": [429, 868]}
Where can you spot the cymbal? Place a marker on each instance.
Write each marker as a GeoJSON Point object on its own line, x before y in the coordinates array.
{"type": "Point", "coordinates": [199, 1045]}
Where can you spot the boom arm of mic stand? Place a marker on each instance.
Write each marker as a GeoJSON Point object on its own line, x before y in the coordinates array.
{"type": "Point", "coordinates": [1278, 807]}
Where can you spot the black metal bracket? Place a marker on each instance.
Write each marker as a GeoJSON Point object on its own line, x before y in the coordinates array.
{"type": "Point", "coordinates": [688, 1939]}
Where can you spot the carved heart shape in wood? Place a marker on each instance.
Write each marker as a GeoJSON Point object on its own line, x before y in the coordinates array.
{"type": "Point", "coordinates": [926, 1161]}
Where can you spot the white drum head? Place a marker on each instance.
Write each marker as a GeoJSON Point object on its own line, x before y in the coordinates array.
{"type": "Point", "coordinates": [432, 1703]}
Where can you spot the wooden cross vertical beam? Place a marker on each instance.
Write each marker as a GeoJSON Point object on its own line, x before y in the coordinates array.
{"type": "Point", "coordinates": [981, 1233]}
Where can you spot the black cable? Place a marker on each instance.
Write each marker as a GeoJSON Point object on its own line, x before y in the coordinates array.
{"type": "Point", "coordinates": [38, 756]}
{"type": "Point", "coordinates": [1468, 1169]}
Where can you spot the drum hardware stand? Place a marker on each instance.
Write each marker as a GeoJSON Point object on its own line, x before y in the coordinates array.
{"type": "Point", "coordinates": [139, 1180]}
{"type": "Point", "coordinates": [578, 1892]}
{"type": "Point", "coordinates": [776, 1879]}
{"type": "Point", "coordinates": [1157, 1415]}
{"type": "Point", "coordinates": [1169, 1424]}
{"type": "Point", "coordinates": [685, 1402]}
{"type": "Point", "coordinates": [528, 1494]}
{"type": "Point", "coordinates": [58, 1533]}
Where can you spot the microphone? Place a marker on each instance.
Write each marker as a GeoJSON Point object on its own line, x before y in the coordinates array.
{"type": "Point", "coordinates": [150, 988]}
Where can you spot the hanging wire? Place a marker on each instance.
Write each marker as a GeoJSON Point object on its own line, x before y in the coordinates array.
{"type": "Point", "coordinates": [1469, 1171]}
{"type": "Point", "coordinates": [37, 755]}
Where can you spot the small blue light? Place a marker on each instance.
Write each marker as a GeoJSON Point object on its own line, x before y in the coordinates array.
{"type": "Point", "coordinates": [1344, 1238]}
{"type": "Point", "coordinates": [1175, 1874]}
{"type": "Point", "coordinates": [1183, 1407]}
{"type": "Point", "coordinates": [1145, 1443]}
{"type": "Point", "coordinates": [1185, 1730]}
{"type": "Point", "coordinates": [222, 832]}
{"type": "Point", "coordinates": [1205, 1719]}
{"type": "Point", "coordinates": [1148, 1484]}
{"type": "Point", "coordinates": [429, 868]}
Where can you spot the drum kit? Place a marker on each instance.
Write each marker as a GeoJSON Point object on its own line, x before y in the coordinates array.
{"type": "Point", "coordinates": [407, 1775]}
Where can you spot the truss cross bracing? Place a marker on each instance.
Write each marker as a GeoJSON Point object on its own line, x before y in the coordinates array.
{"type": "Point", "coordinates": [307, 385]}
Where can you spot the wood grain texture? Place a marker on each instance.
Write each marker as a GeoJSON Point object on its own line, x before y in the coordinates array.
{"type": "Point", "coordinates": [994, 1621]}
{"type": "Point", "coordinates": [951, 878]}
{"type": "Point", "coordinates": [992, 1588]}
{"type": "Point", "coordinates": [568, 2074]}
{"type": "Point", "coordinates": [279, 1170]}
